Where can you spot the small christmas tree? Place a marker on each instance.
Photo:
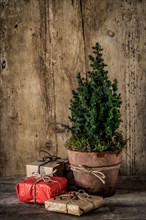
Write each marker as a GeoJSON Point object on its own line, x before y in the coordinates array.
{"type": "Point", "coordinates": [95, 110]}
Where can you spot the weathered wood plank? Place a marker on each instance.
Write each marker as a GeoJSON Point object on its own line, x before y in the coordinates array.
{"type": "Point", "coordinates": [68, 59]}
{"type": "Point", "coordinates": [46, 75]}
{"type": "Point", "coordinates": [43, 44]}
{"type": "Point", "coordinates": [134, 38]}
{"type": "Point", "coordinates": [128, 203]}
{"type": "Point", "coordinates": [118, 26]}
{"type": "Point", "coordinates": [22, 111]}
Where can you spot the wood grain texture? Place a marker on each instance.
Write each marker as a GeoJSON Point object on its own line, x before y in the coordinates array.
{"type": "Point", "coordinates": [119, 27]}
{"type": "Point", "coordinates": [43, 45]}
{"type": "Point", "coordinates": [22, 108]}
{"type": "Point", "coordinates": [68, 58]}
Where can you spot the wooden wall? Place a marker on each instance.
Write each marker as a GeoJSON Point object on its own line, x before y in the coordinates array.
{"type": "Point", "coordinates": [43, 45]}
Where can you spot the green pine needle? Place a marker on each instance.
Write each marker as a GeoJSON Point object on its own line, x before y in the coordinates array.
{"type": "Point", "coordinates": [95, 110]}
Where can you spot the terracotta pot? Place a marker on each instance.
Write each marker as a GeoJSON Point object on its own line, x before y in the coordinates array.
{"type": "Point", "coordinates": [106, 162]}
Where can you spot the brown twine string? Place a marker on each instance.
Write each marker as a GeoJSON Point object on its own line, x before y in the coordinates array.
{"type": "Point", "coordinates": [96, 171]}
{"type": "Point", "coordinates": [79, 195]}
{"type": "Point", "coordinates": [45, 178]}
{"type": "Point", "coordinates": [46, 159]}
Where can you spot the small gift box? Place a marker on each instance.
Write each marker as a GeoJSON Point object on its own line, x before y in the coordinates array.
{"type": "Point", "coordinates": [38, 190]}
{"type": "Point", "coordinates": [75, 203]}
{"type": "Point", "coordinates": [47, 167]}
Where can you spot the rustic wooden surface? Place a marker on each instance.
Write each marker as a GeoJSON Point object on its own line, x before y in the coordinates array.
{"type": "Point", "coordinates": [43, 45]}
{"type": "Point", "coordinates": [128, 203]}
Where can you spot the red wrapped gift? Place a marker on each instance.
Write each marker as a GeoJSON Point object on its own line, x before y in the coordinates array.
{"type": "Point", "coordinates": [38, 190]}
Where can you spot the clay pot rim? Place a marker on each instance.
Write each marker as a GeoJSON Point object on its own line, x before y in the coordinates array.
{"type": "Point", "coordinates": [98, 152]}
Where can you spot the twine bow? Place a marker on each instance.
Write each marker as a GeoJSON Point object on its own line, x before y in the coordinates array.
{"type": "Point", "coordinates": [45, 178]}
{"type": "Point", "coordinates": [46, 159]}
{"type": "Point", "coordinates": [73, 195]}
{"type": "Point", "coordinates": [49, 157]}
{"type": "Point", "coordinates": [93, 171]}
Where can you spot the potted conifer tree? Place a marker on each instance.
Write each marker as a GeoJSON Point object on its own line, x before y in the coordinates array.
{"type": "Point", "coordinates": [95, 145]}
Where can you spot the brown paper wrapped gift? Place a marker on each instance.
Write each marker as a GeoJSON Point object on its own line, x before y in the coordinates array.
{"type": "Point", "coordinates": [75, 203]}
{"type": "Point", "coordinates": [46, 168]}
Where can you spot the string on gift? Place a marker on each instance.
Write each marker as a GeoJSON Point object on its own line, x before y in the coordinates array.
{"type": "Point", "coordinates": [45, 178]}
{"type": "Point", "coordinates": [46, 159]}
{"type": "Point", "coordinates": [96, 171]}
{"type": "Point", "coordinates": [72, 196]}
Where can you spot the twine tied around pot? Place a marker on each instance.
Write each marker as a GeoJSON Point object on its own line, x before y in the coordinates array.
{"type": "Point", "coordinates": [93, 171]}
{"type": "Point", "coordinates": [96, 171]}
